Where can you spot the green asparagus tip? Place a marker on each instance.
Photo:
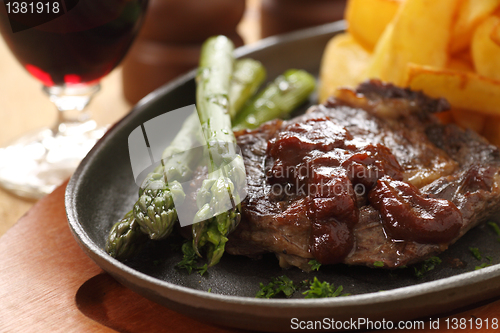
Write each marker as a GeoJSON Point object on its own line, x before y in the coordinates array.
{"type": "Point", "coordinates": [277, 100]}
{"type": "Point", "coordinates": [125, 238]}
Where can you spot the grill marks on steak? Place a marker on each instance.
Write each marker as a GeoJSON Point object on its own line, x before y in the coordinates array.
{"type": "Point", "coordinates": [425, 183]}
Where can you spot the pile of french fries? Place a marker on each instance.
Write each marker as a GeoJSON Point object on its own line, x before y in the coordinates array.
{"type": "Point", "coordinates": [446, 48]}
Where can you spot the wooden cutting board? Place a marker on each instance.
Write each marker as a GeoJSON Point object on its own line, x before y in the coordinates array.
{"type": "Point", "coordinates": [48, 284]}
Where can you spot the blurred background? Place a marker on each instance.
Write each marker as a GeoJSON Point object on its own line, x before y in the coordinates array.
{"type": "Point", "coordinates": [168, 45]}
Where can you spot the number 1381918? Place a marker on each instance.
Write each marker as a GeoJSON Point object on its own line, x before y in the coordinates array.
{"type": "Point", "coordinates": [471, 323]}
{"type": "Point", "coordinates": [33, 8]}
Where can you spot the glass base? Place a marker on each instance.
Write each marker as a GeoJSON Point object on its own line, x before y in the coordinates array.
{"type": "Point", "coordinates": [33, 165]}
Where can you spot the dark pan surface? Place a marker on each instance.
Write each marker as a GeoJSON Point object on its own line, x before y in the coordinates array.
{"type": "Point", "coordinates": [102, 190]}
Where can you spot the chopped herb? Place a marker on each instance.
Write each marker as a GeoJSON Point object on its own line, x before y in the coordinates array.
{"type": "Point", "coordinates": [489, 258]}
{"type": "Point", "coordinates": [278, 285]}
{"type": "Point", "coordinates": [209, 290]}
{"type": "Point", "coordinates": [476, 253]}
{"type": "Point", "coordinates": [325, 289]}
{"type": "Point", "coordinates": [483, 265]}
{"type": "Point", "coordinates": [426, 266]}
{"type": "Point", "coordinates": [378, 264]}
{"type": "Point", "coordinates": [315, 265]}
{"type": "Point", "coordinates": [190, 260]}
{"type": "Point", "coordinates": [203, 269]}
{"type": "Point", "coordinates": [495, 227]}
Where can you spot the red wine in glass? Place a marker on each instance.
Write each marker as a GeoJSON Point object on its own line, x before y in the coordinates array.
{"type": "Point", "coordinates": [81, 46]}
{"type": "Point", "coordinates": [69, 52]}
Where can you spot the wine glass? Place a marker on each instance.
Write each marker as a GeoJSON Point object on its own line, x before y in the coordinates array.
{"type": "Point", "coordinates": [69, 52]}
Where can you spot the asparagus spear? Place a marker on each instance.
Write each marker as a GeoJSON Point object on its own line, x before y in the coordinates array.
{"type": "Point", "coordinates": [278, 99]}
{"type": "Point", "coordinates": [178, 159]}
{"type": "Point", "coordinates": [125, 238]}
{"type": "Point", "coordinates": [247, 77]}
{"type": "Point", "coordinates": [154, 212]}
{"type": "Point", "coordinates": [212, 93]}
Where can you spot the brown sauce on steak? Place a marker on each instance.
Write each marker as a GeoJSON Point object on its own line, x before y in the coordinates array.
{"type": "Point", "coordinates": [409, 215]}
{"type": "Point", "coordinates": [321, 161]}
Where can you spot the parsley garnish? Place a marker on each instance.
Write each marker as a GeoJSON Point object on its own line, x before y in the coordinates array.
{"type": "Point", "coordinates": [281, 284]}
{"type": "Point", "coordinates": [478, 256]}
{"type": "Point", "coordinates": [426, 266]}
{"type": "Point", "coordinates": [378, 264]}
{"type": "Point", "coordinates": [315, 265]}
{"type": "Point", "coordinates": [476, 253]}
{"type": "Point", "coordinates": [203, 269]}
{"type": "Point", "coordinates": [483, 265]}
{"type": "Point", "coordinates": [190, 260]}
{"type": "Point", "coordinates": [323, 289]}
{"type": "Point", "coordinates": [495, 227]}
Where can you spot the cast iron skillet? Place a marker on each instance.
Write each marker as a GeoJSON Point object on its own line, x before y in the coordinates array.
{"type": "Point", "coordinates": [103, 189]}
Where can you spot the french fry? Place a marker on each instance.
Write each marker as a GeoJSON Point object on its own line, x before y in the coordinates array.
{"type": "Point", "coordinates": [485, 52]}
{"type": "Point", "coordinates": [470, 14]}
{"type": "Point", "coordinates": [420, 33]}
{"type": "Point", "coordinates": [344, 63]}
{"type": "Point", "coordinates": [367, 19]}
{"type": "Point", "coordinates": [495, 34]}
{"type": "Point", "coordinates": [462, 89]}
{"type": "Point", "coordinates": [469, 119]}
{"type": "Point", "coordinates": [458, 64]}
{"type": "Point", "coordinates": [378, 66]}
{"type": "Point", "coordinates": [446, 48]}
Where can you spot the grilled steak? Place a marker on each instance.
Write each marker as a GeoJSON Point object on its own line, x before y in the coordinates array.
{"type": "Point", "coordinates": [371, 176]}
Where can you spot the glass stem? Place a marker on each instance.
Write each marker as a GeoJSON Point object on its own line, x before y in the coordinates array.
{"type": "Point", "coordinates": [71, 103]}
